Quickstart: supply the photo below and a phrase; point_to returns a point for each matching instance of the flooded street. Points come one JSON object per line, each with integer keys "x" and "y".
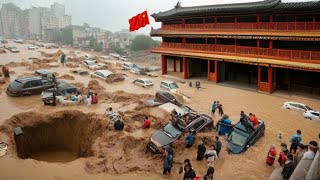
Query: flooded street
{"x": 61, "y": 164}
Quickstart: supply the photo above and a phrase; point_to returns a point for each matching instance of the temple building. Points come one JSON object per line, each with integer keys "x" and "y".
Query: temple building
{"x": 269, "y": 44}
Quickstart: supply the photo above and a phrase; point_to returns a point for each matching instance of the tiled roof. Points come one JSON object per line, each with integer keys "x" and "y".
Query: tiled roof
{"x": 251, "y": 7}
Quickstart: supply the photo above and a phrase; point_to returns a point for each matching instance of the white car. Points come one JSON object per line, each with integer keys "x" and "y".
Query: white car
{"x": 143, "y": 82}
{"x": 91, "y": 64}
{"x": 107, "y": 76}
{"x": 105, "y": 57}
{"x": 14, "y": 49}
{"x": 296, "y": 106}
{"x": 89, "y": 56}
{"x": 169, "y": 85}
{"x": 124, "y": 58}
{"x": 128, "y": 65}
{"x": 312, "y": 115}
{"x": 32, "y": 48}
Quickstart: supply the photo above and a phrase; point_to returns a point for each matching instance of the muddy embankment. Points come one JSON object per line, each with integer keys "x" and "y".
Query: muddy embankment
{"x": 86, "y": 135}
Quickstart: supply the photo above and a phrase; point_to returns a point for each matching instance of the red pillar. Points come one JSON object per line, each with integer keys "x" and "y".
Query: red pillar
{"x": 174, "y": 65}
{"x": 258, "y": 43}
{"x": 216, "y": 71}
{"x": 259, "y": 77}
{"x": 208, "y": 70}
{"x": 181, "y": 70}
{"x": 270, "y": 79}
{"x": 163, "y": 64}
{"x": 185, "y": 68}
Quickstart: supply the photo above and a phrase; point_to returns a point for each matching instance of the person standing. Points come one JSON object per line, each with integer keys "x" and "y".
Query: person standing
{"x": 283, "y": 154}
{"x": 313, "y": 148}
{"x": 214, "y": 107}
{"x": 167, "y": 163}
{"x": 201, "y": 150}
{"x": 94, "y": 99}
{"x": 146, "y": 123}
{"x": 62, "y": 59}
{"x": 209, "y": 175}
{"x": 4, "y": 71}
{"x": 220, "y": 110}
{"x": 271, "y": 155}
{"x": 218, "y": 145}
{"x": 298, "y": 135}
{"x": 211, "y": 156}
{"x": 189, "y": 173}
{"x": 299, "y": 154}
{"x": 288, "y": 167}
{"x": 190, "y": 139}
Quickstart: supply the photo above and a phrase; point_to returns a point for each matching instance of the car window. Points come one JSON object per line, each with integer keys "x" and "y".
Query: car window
{"x": 238, "y": 138}
{"x": 148, "y": 81}
{"x": 302, "y": 107}
{"x": 294, "y": 105}
{"x": 45, "y": 82}
{"x": 308, "y": 108}
{"x": 15, "y": 84}
{"x": 316, "y": 114}
{"x": 198, "y": 124}
{"x": 71, "y": 90}
{"x": 99, "y": 74}
{"x": 169, "y": 96}
{"x": 31, "y": 84}
{"x": 140, "y": 81}
{"x": 174, "y": 86}
{"x": 164, "y": 84}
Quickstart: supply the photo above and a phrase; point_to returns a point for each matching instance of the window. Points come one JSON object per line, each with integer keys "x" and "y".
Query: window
{"x": 316, "y": 114}
{"x": 99, "y": 74}
{"x": 46, "y": 82}
{"x": 31, "y": 84}
{"x": 15, "y": 84}
{"x": 302, "y": 107}
{"x": 264, "y": 74}
{"x": 164, "y": 84}
{"x": 198, "y": 125}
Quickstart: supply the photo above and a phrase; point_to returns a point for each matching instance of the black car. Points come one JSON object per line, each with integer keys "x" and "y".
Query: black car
{"x": 175, "y": 128}
{"x": 243, "y": 136}
{"x": 43, "y": 73}
{"x": 63, "y": 88}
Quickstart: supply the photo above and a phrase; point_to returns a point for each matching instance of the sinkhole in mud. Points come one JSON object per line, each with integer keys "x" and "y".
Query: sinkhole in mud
{"x": 57, "y": 139}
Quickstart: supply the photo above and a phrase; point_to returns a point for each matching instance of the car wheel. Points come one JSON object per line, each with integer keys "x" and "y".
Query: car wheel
{"x": 27, "y": 94}
{"x": 288, "y": 108}
{"x": 309, "y": 118}
{"x": 144, "y": 86}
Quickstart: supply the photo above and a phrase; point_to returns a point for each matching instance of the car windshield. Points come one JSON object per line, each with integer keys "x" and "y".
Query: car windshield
{"x": 308, "y": 108}
{"x": 170, "y": 130}
{"x": 15, "y": 84}
{"x": 173, "y": 86}
{"x": 238, "y": 138}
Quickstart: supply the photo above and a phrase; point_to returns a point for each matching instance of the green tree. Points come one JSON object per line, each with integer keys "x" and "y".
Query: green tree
{"x": 143, "y": 42}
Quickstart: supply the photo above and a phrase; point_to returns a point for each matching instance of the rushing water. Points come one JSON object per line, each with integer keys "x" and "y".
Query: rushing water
{"x": 248, "y": 165}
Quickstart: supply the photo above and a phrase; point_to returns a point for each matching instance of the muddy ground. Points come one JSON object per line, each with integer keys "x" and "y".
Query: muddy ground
{"x": 79, "y": 142}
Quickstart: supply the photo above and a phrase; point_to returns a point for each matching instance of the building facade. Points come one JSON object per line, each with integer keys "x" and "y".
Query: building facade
{"x": 11, "y": 16}
{"x": 269, "y": 44}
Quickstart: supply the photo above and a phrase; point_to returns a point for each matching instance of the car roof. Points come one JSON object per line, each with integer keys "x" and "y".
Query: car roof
{"x": 169, "y": 107}
{"x": 105, "y": 72}
{"x": 128, "y": 63}
{"x": 168, "y": 82}
{"x": 89, "y": 61}
{"x": 43, "y": 71}
{"x": 242, "y": 127}
{"x": 25, "y": 79}
{"x": 66, "y": 86}
{"x": 144, "y": 79}
{"x": 295, "y": 103}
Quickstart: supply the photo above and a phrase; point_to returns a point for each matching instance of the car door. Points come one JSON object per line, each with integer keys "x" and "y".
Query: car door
{"x": 164, "y": 85}
{"x": 302, "y": 108}
{"x": 100, "y": 75}
{"x": 46, "y": 84}
{"x": 295, "y": 106}
{"x": 140, "y": 82}
{"x": 198, "y": 125}
{"x": 33, "y": 87}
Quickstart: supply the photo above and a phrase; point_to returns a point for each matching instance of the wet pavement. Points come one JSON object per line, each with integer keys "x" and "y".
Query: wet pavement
{"x": 248, "y": 165}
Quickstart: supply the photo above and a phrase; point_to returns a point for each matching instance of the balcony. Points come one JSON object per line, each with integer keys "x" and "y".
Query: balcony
{"x": 282, "y": 26}
{"x": 292, "y": 55}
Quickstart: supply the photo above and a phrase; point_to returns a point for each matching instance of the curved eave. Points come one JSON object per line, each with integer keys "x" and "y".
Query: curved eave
{"x": 239, "y": 59}
{"x": 267, "y": 6}
{"x": 298, "y": 35}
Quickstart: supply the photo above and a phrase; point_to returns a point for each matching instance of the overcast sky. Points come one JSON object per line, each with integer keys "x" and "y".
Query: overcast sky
{"x": 114, "y": 14}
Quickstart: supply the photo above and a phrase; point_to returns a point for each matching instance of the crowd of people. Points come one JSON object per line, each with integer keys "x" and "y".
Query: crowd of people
{"x": 290, "y": 158}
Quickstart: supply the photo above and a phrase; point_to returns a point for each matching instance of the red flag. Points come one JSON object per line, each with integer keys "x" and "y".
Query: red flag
{"x": 139, "y": 21}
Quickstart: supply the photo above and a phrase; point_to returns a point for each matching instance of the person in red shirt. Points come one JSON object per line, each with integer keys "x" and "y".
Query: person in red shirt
{"x": 94, "y": 98}
{"x": 271, "y": 155}
{"x": 146, "y": 123}
{"x": 255, "y": 121}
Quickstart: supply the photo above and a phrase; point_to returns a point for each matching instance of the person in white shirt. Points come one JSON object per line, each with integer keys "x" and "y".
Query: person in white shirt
{"x": 313, "y": 148}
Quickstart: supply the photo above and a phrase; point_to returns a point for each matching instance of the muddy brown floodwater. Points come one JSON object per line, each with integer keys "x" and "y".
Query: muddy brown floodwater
{"x": 83, "y": 145}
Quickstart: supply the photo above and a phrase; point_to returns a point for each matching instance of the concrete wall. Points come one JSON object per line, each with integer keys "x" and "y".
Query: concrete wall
{"x": 314, "y": 171}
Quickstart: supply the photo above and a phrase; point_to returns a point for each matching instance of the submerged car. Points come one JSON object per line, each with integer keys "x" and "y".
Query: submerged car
{"x": 13, "y": 49}
{"x": 138, "y": 70}
{"x": 63, "y": 88}
{"x": 91, "y": 64}
{"x": 296, "y": 106}
{"x": 79, "y": 71}
{"x": 107, "y": 76}
{"x": 128, "y": 66}
{"x": 143, "y": 82}
{"x": 28, "y": 86}
{"x": 43, "y": 73}
{"x": 312, "y": 115}
{"x": 241, "y": 138}
{"x": 169, "y": 85}
{"x": 175, "y": 128}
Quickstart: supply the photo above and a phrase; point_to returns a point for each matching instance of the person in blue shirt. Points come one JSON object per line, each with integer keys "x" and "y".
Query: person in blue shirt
{"x": 298, "y": 136}
{"x": 167, "y": 163}
{"x": 190, "y": 139}
{"x": 214, "y": 107}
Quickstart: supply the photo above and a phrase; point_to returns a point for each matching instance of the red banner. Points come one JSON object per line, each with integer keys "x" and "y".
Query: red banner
{"x": 139, "y": 21}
